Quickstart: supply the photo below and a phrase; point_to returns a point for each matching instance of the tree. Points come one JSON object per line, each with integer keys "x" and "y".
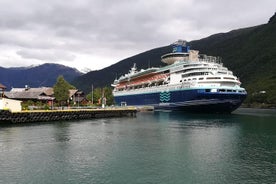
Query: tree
{"x": 61, "y": 90}
{"x": 98, "y": 94}
{"x": 108, "y": 95}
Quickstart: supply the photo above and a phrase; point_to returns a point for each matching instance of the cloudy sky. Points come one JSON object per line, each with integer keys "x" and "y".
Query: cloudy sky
{"x": 93, "y": 34}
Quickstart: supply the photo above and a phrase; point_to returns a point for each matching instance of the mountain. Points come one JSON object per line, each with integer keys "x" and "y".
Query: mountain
{"x": 36, "y": 76}
{"x": 106, "y": 76}
{"x": 249, "y": 52}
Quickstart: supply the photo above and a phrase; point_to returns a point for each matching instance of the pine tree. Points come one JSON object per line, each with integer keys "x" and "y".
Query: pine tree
{"x": 61, "y": 90}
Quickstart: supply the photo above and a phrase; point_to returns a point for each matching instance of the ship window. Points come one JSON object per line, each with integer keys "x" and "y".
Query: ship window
{"x": 221, "y": 90}
{"x": 213, "y": 78}
{"x": 207, "y": 90}
{"x": 230, "y": 78}
{"x": 200, "y": 78}
{"x": 194, "y": 78}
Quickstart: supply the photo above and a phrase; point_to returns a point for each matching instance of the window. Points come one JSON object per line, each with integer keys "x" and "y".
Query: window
{"x": 229, "y": 78}
{"x": 211, "y": 78}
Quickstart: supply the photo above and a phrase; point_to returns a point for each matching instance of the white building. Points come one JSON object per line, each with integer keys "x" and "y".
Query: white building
{"x": 9, "y": 104}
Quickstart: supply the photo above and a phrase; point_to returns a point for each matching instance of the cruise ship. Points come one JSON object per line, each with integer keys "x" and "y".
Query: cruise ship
{"x": 188, "y": 82}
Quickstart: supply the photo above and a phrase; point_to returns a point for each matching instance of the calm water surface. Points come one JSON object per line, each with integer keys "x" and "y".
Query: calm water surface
{"x": 154, "y": 147}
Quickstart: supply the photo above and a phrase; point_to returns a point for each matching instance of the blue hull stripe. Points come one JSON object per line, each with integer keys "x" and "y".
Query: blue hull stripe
{"x": 186, "y": 100}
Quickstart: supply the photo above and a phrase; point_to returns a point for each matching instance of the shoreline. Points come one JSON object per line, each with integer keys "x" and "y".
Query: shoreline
{"x": 64, "y": 115}
{"x": 259, "y": 106}
{"x": 251, "y": 110}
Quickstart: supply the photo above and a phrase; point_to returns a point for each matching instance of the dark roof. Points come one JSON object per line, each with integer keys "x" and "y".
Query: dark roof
{"x": 30, "y": 93}
{"x": 47, "y": 90}
{"x": 27, "y": 95}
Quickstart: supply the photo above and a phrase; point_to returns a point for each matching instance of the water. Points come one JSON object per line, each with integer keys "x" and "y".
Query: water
{"x": 154, "y": 147}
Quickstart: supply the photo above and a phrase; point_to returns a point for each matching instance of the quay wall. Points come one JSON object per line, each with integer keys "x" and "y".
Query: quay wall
{"x": 64, "y": 115}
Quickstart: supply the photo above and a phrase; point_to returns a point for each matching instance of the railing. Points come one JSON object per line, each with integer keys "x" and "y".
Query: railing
{"x": 152, "y": 89}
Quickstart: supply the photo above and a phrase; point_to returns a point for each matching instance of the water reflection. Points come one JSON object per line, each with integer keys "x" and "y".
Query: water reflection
{"x": 61, "y": 131}
{"x": 239, "y": 143}
{"x": 154, "y": 147}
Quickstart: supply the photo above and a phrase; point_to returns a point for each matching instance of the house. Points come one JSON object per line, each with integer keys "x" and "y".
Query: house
{"x": 2, "y": 89}
{"x": 77, "y": 97}
{"x": 8, "y": 104}
{"x": 42, "y": 94}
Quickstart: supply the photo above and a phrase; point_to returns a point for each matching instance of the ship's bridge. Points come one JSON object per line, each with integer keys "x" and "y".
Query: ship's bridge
{"x": 173, "y": 57}
{"x": 191, "y": 55}
{"x": 180, "y": 52}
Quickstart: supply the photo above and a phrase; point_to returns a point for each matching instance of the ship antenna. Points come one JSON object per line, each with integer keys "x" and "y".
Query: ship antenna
{"x": 133, "y": 69}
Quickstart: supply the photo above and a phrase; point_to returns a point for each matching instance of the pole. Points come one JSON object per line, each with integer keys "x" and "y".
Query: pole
{"x": 78, "y": 100}
{"x": 103, "y": 105}
{"x": 92, "y": 95}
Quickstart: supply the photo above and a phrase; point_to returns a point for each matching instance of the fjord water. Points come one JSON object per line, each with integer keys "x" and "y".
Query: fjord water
{"x": 154, "y": 147}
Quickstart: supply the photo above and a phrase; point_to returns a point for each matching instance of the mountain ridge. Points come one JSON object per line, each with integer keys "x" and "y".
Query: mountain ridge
{"x": 36, "y": 76}
{"x": 249, "y": 52}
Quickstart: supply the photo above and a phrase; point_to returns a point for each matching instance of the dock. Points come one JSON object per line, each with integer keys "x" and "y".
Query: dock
{"x": 64, "y": 115}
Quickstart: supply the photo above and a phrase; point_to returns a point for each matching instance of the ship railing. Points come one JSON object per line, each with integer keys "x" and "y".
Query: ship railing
{"x": 210, "y": 59}
{"x": 154, "y": 88}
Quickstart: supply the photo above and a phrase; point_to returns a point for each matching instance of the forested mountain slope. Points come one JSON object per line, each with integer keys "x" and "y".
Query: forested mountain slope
{"x": 36, "y": 76}
{"x": 249, "y": 52}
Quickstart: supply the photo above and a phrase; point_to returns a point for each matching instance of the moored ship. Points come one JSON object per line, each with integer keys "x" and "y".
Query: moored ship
{"x": 189, "y": 82}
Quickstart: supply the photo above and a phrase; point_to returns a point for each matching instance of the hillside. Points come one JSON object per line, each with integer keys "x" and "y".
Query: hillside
{"x": 42, "y": 75}
{"x": 249, "y": 52}
{"x": 106, "y": 76}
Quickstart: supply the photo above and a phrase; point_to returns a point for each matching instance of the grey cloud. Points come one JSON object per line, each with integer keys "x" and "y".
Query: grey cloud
{"x": 27, "y": 39}
{"x": 37, "y": 28}
{"x": 46, "y": 55}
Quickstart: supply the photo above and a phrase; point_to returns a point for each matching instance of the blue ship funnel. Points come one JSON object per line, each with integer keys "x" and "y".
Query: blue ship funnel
{"x": 180, "y": 46}
{"x": 177, "y": 48}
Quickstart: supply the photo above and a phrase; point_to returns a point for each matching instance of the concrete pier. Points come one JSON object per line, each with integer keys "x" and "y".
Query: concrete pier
{"x": 64, "y": 115}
